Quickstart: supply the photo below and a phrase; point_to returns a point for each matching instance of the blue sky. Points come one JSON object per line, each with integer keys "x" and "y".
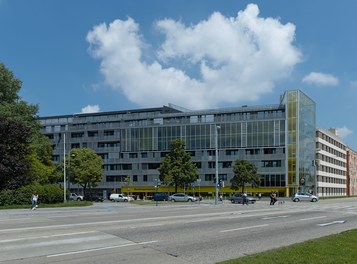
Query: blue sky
{"x": 91, "y": 55}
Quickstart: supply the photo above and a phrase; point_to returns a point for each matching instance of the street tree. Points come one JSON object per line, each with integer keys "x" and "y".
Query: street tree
{"x": 244, "y": 173}
{"x": 26, "y": 154}
{"x": 85, "y": 168}
{"x": 177, "y": 169}
{"x": 14, "y": 150}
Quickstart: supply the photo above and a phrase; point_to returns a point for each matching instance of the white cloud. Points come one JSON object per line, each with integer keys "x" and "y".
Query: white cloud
{"x": 90, "y": 109}
{"x": 239, "y": 58}
{"x": 320, "y": 79}
{"x": 344, "y": 132}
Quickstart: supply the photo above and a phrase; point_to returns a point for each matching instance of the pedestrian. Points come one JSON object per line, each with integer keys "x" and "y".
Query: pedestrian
{"x": 259, "y": 196}
{"x": 272, "y": 198}
{"x": 245, "y": 199}
{"x": 34, "y": 201}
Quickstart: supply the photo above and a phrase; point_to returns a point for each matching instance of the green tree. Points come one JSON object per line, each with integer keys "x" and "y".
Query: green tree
{"x": 244, "y": 173}
{"x": 14, "y": 149}
{"x": 177, "y": 169}
{"x": 32, "y": 151}
{"x": 86, "y": 168}
{"x": 11, "y": 104}
{"x": 42, "y": 168}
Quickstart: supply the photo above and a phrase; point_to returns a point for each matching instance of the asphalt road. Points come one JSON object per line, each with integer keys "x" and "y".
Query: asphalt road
{"x": 168, "y": 233}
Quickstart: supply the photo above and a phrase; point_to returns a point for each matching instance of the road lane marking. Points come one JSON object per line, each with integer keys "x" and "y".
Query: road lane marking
{"x": 102, "y": 248}
{"x": 49, "y": 236}
{"x": 274, "y": 217}
{"x": 333, "y": 223}
{"x": 15, "y": 219}
{"x": 242, "y": 228}
{"x": 112, "y": 222}
{"x": 312, "y": 218}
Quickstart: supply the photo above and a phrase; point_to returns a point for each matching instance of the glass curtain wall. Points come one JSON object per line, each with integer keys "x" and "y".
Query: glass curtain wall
{"x": 301, "y": 127}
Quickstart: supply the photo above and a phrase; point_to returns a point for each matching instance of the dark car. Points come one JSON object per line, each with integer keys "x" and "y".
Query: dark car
{"x": 238, "y": 198}
{"x": 93, "y": 198}
{"x": 160, "y": 197}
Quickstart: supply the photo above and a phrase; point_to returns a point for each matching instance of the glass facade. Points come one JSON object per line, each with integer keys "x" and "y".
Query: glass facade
{"x": 278, "y": 139}
{"x": 301, "y": 127}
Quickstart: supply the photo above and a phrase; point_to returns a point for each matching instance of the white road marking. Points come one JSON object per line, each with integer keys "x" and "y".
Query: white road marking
{"x": 274, "y": 217}
{"x": 333, "y": 223}
{"x": 14, "y": 219}
{"x": 103, "y": 248}
{"x": 242, "y": 228}
{"x": 49, "y": 236}
{"x": 312, "y": 218}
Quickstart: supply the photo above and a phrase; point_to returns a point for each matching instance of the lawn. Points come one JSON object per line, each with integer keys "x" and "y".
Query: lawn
{"x": 333, "y": 249}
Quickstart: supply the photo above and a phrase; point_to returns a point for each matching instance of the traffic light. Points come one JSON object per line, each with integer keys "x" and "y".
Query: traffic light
{"x": 220, "y": 183}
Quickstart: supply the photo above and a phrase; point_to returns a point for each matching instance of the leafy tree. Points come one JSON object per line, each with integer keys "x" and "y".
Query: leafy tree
{"x": 86, "y": 167}
{"x": 244, "y": 172}
{"x": 177, "y": 169}
{"x": 26, "y": 155}
{"x": 9, "y": 86}
{"x": 11, "y": 105}
{"x": 14, "y": 148}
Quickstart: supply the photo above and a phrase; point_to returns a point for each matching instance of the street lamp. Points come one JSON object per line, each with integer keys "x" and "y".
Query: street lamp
{"x": 216, "y": 183}
{"x": 64, "y": 168}
{"x": 69, "y": 169}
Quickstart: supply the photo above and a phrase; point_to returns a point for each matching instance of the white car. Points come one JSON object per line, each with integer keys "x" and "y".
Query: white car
{"x": 181, "y": 197}
{"x": 119, "y": 197}
{"x": 75, "y": 197}
{"x": 303, "y": 196}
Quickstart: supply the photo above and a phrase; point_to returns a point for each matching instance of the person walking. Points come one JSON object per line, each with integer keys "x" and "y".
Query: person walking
{"x": 34, "y": 201}
{"x": 272, "y": 198}
{"x": 245, "y": 199}
{"x": 259, "y": 196}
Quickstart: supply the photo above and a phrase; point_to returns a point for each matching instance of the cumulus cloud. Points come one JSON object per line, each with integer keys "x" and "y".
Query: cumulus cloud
{"x": 90, "y": 109}
{"x": 320, "y": 79}
{"x": 234, "y": 59}
{"x": 344, "y": 132}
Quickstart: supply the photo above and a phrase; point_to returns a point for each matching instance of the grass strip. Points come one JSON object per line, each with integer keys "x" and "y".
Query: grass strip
{"x": 333, "y": 249}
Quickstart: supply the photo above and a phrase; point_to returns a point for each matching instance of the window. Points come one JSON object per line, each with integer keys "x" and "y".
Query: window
{"x": 92, "y": 133}
{"x": 108, "y": 133}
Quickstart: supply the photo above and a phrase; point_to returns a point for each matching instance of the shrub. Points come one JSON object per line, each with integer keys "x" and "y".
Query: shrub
{"x": 48, "y": 193}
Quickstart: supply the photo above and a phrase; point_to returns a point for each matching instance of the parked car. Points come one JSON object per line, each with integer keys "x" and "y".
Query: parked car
{"x": 160, "y": 197}
{"x": 303, "y": 196}
{"x": 119, "y": 197}
{"x": 75, "y": 197}
{"x": 238, "y": 198}
{"x": 181, "y": 197}
{"x": 93, "y": 198}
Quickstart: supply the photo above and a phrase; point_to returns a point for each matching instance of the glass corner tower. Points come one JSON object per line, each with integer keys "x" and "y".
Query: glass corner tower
{"x": 300, "y": 142}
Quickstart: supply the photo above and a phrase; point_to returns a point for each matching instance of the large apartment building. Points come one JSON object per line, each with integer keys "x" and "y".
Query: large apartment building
{"x": 278, "y": 138}
{"x": 331, "y": 163}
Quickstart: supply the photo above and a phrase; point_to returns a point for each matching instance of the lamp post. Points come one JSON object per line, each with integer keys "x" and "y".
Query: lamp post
{"x": 216, "y": 183}
{"x": 69, "y": 169}
{"x": 64, "y": 168}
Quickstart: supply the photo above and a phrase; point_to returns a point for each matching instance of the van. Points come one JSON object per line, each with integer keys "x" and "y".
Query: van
{"x": 118, "y": 197}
